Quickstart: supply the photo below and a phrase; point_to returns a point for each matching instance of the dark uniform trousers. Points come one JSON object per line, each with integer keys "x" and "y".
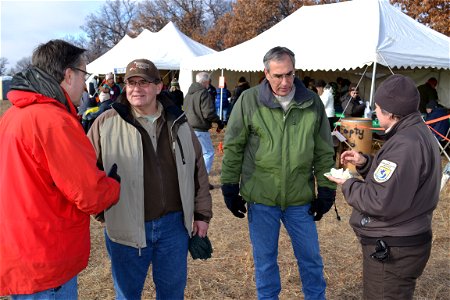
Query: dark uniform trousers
{"x": 396, "y": 277}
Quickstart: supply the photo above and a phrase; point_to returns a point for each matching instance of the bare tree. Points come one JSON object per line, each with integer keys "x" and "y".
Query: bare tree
{"x": 79, "y": 41}
{"x": 23, "y": 64}
{"x": 107, "y": 27}
{"x": 3, "y": 63}
{"x": 215, "y": 9}
{"x": 186, "y": 14}
{"x": 250, "y": 18}
{"x": 194, "y": 18}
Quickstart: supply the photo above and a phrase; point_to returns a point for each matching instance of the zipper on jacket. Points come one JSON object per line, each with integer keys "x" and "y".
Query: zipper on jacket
{"x": 283, "y": 167}
{"x": 181, "y": 151}
{"x": 178, "y": 140}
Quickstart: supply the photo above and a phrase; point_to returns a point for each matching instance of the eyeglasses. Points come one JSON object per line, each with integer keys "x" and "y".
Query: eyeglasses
{"x": 86, "y": 74}
{"x": 280, "y": 77}
{"x": 140, "y": 83}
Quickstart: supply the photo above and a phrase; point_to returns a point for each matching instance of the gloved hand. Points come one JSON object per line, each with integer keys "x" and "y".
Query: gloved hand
{"x": 322, "y": 204}
{"x": 200, "y": 247}
{"x": 220, "y": 126}
{"x": 113, "y": 173}
{"x": 233, "y": 200}
{"x": 100, "y": 217}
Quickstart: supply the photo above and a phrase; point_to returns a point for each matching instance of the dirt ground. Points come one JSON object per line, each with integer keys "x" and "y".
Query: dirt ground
{"x": 229, "y": 274}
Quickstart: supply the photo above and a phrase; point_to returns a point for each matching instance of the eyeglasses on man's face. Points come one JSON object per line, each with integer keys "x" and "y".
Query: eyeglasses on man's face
{"x": 140, "y": 83}
{"x": 86, "y": 74}
{"x": 280, "y": 77}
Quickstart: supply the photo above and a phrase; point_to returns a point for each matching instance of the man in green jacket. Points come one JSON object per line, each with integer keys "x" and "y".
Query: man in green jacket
{"x": 277, "y": 147}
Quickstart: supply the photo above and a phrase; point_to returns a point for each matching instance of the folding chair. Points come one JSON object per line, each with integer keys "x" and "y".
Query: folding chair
{"x": 446, "y": 144}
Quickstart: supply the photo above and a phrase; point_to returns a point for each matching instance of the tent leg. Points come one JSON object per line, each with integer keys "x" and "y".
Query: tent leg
{"x": 220, "y": 104}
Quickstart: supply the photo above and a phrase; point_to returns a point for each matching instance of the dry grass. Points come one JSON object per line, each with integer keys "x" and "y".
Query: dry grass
{"x": 229, "y": 273}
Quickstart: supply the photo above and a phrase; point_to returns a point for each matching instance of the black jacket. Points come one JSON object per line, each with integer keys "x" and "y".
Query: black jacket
{"x": 353, "y": 107}
{"x": 199, "y": 108}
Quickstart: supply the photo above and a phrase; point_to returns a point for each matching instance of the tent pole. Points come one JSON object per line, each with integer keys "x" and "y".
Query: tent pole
{"x": 220, "y": 103}
{"x": 372, "y": 86}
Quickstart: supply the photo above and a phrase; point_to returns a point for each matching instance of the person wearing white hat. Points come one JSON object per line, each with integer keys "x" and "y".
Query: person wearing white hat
{"x": 111, "y": 87}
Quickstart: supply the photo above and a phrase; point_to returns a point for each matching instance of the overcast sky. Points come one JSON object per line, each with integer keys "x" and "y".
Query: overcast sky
{"x": 26, "y": 24}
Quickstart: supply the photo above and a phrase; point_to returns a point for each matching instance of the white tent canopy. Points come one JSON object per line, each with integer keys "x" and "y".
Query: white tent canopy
{"x": 338, "y": 36}
{"x": 165, "y": 48}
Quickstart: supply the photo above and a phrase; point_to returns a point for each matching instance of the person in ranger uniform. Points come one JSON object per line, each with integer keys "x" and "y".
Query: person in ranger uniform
{"x": 393, "y": 205}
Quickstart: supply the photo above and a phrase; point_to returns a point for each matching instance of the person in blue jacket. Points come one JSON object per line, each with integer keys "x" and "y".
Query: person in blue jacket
{"x": 224, "y": 94}
{"x": 439, "y": 128}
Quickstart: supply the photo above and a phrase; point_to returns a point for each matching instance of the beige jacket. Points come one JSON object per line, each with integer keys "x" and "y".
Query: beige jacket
{"x": 117, "y": 140}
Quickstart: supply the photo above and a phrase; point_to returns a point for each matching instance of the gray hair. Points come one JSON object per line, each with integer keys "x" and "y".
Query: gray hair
{"x": 392, "y": 116}
{"x": 278, "y": 54}
{"x": 202, "y": 77}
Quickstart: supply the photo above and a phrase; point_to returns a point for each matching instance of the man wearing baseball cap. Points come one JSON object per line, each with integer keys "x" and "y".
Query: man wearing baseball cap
{"x": 393, "y": 206}
{"x": 164, "y": 191}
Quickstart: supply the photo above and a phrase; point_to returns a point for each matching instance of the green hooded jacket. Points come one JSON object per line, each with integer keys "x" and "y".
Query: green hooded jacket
{"x": 276, "y": 156}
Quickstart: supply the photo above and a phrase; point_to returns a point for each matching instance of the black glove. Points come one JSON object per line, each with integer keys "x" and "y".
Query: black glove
{"x": 100, "y": 217}
{"x": 113, "y": 173}
{"x": 200, "y": 247}
{"x": 233, "y": 200}
{"x": 322, "y": 204}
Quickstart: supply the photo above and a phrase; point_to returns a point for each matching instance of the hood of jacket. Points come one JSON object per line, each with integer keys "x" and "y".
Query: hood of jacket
{"x": 37, "y": 81}
{"x": 195, "y": 87}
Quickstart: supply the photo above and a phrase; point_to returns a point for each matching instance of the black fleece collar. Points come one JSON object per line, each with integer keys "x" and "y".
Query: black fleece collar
{"x": 37, "y": 81}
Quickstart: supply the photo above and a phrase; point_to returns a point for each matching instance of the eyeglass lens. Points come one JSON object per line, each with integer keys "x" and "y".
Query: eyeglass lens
{"x": 280, "y": 77}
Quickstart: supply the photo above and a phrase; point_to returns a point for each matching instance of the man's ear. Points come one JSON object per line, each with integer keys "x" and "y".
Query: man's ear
{"x": 159, "y": 88}
{"x": 68, "y": 76}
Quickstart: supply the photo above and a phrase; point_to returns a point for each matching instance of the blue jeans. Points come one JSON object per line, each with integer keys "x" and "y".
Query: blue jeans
{"x": 207, "y": 147}
{"x": 67, "y": 291}
{"x": 264, "y": 225}
{"x": 167, "y": 248}
{"x": 224, "y": 113}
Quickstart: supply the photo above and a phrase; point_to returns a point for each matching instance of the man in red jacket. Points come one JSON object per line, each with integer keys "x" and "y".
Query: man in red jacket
{"x": 49, "y": 180}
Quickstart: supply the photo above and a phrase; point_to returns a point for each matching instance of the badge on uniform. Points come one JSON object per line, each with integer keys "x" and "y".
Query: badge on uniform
{"x": 384, "y": 171}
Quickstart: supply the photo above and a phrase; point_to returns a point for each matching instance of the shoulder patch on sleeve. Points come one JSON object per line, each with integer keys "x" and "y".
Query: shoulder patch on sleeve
{"x": 384, "y": 171}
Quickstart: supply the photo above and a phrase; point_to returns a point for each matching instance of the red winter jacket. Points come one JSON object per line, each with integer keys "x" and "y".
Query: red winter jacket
{"x": 49, "y": 185}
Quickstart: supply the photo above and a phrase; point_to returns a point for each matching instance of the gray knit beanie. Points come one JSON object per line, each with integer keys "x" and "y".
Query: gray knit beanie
{"x": 398, "y": 95}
